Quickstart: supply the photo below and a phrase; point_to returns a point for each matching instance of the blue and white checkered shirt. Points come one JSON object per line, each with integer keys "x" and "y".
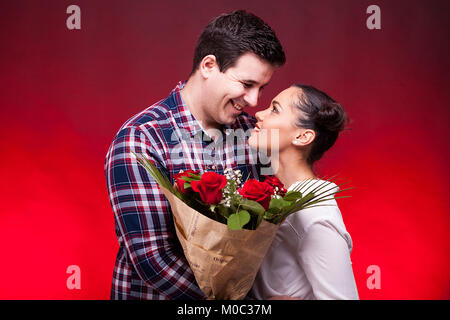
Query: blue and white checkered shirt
{"x": 150, "y": 263}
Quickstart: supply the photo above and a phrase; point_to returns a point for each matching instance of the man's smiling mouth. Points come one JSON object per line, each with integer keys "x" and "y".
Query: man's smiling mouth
{"x": 237, "y": 106}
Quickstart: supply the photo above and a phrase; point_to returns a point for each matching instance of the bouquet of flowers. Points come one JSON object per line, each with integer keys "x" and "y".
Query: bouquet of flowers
{"x": 226, "y": 226}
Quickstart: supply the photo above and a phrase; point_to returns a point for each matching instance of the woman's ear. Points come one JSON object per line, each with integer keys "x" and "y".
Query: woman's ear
{"x": 304, "y": 137}
{"x": 207, "y": 66}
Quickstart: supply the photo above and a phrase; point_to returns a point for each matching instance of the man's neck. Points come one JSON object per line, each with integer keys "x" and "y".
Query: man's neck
{"x": 192, "y": 98}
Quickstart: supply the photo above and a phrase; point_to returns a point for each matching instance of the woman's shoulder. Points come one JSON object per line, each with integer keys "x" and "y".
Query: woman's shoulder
{"x": 324, "y": 191}
{"x": 326, "y": 213}
{"x": 316, "y": 186}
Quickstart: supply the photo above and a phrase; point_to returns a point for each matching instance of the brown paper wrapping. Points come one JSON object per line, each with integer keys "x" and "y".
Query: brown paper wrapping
{"x": 224, "y": 261}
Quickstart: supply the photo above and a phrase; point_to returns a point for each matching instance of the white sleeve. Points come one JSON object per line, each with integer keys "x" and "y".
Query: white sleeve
{"x": 325, "y": 258}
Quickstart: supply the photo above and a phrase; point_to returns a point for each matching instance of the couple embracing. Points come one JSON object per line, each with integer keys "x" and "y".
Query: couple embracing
{"x": 234, "y": 59}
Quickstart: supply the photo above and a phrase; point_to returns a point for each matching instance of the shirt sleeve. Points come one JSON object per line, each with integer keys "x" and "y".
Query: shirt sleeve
{"x": 325, "y": 258}
{"x": 143, "y": 218}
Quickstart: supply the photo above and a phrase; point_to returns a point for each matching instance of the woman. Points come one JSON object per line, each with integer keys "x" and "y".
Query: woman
{"x": 310, "y": 255}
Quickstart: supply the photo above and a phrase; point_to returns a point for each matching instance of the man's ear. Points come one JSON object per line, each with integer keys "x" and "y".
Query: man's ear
{"x": 304, "y": 137}
{"x": 207, "y": 66}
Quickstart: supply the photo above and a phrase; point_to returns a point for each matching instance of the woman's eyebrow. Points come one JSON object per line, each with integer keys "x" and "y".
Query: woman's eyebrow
{"x": 277, "y": 103}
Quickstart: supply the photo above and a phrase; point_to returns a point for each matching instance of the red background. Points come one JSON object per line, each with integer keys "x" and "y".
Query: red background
{"x": 64, "y": 94}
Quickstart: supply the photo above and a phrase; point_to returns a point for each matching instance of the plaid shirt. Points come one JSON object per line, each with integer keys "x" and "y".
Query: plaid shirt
{"x": 150, "y": 263}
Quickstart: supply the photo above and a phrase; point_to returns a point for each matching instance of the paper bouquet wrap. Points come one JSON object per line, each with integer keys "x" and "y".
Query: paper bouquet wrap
{"x": 225, "y": 262}
{"x": 225, "y": 229}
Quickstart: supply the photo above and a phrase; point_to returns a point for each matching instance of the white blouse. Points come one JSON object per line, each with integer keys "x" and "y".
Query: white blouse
{"x": 310, "y": 256}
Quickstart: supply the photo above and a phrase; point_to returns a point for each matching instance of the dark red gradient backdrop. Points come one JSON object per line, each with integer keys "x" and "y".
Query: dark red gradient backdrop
{"x": 64, "y": 94}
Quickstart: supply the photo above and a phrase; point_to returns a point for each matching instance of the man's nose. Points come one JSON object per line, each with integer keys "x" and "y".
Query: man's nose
{"x": 251, "y": 98}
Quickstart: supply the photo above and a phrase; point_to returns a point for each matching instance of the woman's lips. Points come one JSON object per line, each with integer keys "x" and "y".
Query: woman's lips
{"x": 257, "y": 127}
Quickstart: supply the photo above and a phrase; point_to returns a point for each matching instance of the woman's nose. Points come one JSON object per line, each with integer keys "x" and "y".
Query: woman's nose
{"x": 259, "y": 115}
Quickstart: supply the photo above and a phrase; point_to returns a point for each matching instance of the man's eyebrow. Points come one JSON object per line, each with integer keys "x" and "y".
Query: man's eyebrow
{"x": 250, "y": 81}
{"x": 254, "y": 82}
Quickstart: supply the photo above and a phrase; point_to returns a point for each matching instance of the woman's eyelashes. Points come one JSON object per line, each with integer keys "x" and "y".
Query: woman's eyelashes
{"x": 274, "y": 109}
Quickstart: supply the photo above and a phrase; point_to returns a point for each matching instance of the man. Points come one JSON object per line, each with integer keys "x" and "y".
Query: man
{"x": 234, "y": 59}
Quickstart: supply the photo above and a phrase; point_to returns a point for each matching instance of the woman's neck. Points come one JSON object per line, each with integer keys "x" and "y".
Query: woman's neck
{"x": 291, "y": 168}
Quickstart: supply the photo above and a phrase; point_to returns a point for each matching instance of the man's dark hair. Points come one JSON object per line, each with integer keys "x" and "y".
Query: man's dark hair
{"x": 230, "y": 35}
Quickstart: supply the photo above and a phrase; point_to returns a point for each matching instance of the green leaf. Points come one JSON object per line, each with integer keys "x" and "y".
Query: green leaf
{"x": 237, "y": 220}
{"x": 308, "y": 197}
{"x": 193, "y": 175}
{"x": 299, "y": 204}
{"x": 187, "y": 185}
{"x": 321, "y": 192}
{"x": 188, "y": 179}
{"x": 277, "y": 205}
{"x": 292, "y": 196}
{"x": 270, "y": 213}
{"x": 252, "y": 206}
{"x": 224, "y": 211}
{"x": 160, "y": 178}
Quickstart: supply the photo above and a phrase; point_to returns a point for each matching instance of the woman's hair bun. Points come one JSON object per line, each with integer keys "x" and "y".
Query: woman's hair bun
{"x": 322, "y": 114}
{"x": 331, "y": 116}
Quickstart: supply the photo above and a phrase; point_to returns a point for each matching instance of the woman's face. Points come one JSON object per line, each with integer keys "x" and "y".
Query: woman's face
{"x": 275, "y": 129}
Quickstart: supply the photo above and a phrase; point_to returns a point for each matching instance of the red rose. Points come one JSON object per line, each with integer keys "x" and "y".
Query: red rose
{"x": 180, "y": 182}
{"x": 257, "y": 191}
{"x": 210, "y": 187}
{"x": 275, "y": 182}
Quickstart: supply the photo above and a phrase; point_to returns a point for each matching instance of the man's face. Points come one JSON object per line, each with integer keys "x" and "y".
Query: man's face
{"x": 229, "y": 92}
